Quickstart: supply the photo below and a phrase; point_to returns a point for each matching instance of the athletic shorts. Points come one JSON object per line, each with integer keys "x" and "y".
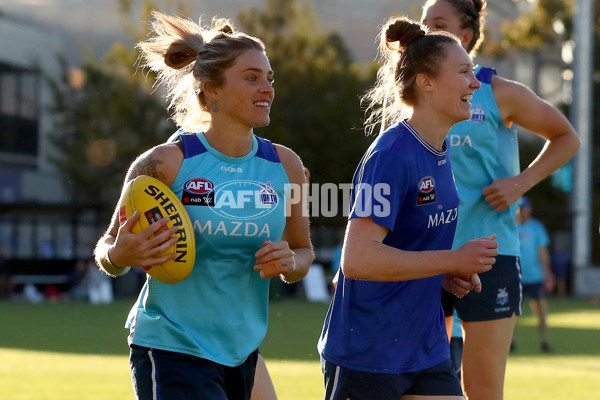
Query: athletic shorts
{"x": 343, "y": 383}
{"x": 158, "y": 374}
{"x": 500, "y": 295}
{"x": 448, "y": 303}
{"x": 456, "y": 352}
{"x": 534, "y": 290}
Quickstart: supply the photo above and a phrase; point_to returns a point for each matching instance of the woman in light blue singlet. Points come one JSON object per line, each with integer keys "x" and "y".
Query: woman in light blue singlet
{"x": 485, "y": 159}
{"x": 198, "y": 339}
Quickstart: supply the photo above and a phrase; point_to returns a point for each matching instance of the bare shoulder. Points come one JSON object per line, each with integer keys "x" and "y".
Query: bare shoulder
{"x": 291, "y": 163}
{"x": 287, "y": 155}
{"x": 518, "y": 103}
{"x": 161, "y": 162}
{"x": 508, "y": 89}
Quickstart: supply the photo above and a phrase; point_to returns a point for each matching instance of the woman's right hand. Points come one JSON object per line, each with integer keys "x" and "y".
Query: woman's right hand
{"x": 477, "y": 255}
{"x": 144, "y": 248}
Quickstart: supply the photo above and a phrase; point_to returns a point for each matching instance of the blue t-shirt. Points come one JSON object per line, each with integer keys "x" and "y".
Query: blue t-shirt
{"x": 532, "y": 236}
{"x": 407, "y": 186}
{"x": 220, "y": 312}
{"x": 483, "y": 149}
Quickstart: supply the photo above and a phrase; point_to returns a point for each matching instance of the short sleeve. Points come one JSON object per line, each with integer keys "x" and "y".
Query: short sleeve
{"x": 379, "y": 188}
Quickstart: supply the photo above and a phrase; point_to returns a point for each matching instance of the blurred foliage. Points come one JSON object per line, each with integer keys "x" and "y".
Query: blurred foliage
{"x": 103, "y": 124}
{"x": 547, "y": 22}
{"x": 103, "y": 120}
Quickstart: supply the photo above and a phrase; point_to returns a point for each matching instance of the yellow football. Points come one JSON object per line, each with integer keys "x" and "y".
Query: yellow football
{"x": 154, "y": 200}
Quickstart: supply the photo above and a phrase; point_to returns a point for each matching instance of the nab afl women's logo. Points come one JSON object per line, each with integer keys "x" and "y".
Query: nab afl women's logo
{"x": 198, "y": 192}
{"x": 426, "y": 193}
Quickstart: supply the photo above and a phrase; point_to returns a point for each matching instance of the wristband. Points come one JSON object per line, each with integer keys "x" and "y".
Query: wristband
{"x": 111, "y": 268}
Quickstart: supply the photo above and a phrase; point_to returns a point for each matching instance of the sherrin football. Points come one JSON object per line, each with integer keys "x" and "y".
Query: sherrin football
{"x": 154, "y": 200}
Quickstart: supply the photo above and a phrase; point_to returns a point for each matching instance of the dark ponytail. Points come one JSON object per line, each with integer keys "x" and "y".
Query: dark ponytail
{"x": 404, "y": 31}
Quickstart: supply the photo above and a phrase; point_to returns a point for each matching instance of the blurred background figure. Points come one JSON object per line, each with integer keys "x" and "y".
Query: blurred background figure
{"x": 536, "y": 275}
{"x": 99, "y": 285}
{"x": 78, "y": 280}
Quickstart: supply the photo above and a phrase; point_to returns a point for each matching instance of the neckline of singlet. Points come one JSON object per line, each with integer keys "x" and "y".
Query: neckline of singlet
{"x": 427, "y": 146}
{"x": 223, "y": 157}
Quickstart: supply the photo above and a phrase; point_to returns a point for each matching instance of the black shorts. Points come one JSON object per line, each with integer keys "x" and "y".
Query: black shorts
{"x": 342, "y": 383}
{"x": 534, "y": 290}
{"x": 500, "y": 295}
{"x": 159, "y": 374}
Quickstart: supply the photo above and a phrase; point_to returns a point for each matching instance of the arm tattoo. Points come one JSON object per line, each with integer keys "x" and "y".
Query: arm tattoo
{"x": 146, "y": 165}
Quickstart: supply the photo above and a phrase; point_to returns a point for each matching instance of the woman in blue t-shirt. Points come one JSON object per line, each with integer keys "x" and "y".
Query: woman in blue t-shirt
{"x": 384, "y": 335}
{"x": 485, "y": 158}
{"x": 199, "y": 338}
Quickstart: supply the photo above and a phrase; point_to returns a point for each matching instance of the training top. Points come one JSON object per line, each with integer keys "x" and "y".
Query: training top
{"x": 483, "y": 149}
{"x": 532, "y": 236}
{"x": 406, "y": 186}
{"x": 220, "y": 311}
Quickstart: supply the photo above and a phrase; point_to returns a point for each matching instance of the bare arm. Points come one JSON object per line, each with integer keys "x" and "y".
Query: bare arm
{"x": 519, "y": 104}
{"x": 364, "y": 256}
{"x": 292, "y": 256}
{"x": 119, "y": 247}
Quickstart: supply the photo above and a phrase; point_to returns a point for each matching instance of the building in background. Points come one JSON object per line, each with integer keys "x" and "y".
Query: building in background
{"x": 41, "y": 231}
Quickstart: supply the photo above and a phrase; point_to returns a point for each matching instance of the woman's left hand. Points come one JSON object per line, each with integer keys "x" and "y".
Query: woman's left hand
{"x": 503, "y": 192}
{"x": 274, "y": 258}
{"x": 461, "y": 285}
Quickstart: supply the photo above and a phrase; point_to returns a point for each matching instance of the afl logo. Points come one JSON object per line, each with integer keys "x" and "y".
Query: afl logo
{"x": 427, "y": 185}
{"x": 198, "y": 192}
{"x": 199, "y": 186}
{"x": 243, "y": 200}
{"x": 426, "y": 193}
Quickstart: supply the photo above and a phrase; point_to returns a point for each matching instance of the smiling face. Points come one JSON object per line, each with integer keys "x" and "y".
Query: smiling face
{"x": 442, "y": 16}
{"x": 453, "y": 87}
{"x": 247, "y": 93}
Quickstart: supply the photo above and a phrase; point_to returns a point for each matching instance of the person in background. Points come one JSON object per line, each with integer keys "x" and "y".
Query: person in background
{"x": 384, "y": 335}
{"x": 485, "y": 160}
{"x": 536, "y": 275}
{"x": 199, "y": 338}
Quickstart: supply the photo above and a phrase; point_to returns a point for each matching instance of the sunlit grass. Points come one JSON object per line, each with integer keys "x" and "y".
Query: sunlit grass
{"x": 35, "y": 375}
{"x": 75, "y": 351}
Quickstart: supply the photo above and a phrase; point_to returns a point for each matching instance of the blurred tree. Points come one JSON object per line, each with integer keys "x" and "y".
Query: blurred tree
{"x": 106, "y": 115}
{"x": 101, "y": 127}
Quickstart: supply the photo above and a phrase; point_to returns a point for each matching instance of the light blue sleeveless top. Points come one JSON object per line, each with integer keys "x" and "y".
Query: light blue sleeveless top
{"x": 220, "y": 312}
{"x": 482, "y": 150}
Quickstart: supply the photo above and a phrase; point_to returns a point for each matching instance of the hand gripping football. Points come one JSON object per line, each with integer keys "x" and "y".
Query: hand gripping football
{"x": 154, "y": 200}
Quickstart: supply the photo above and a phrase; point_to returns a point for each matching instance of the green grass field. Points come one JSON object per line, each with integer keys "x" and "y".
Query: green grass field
{"x": 77, "y": 351}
